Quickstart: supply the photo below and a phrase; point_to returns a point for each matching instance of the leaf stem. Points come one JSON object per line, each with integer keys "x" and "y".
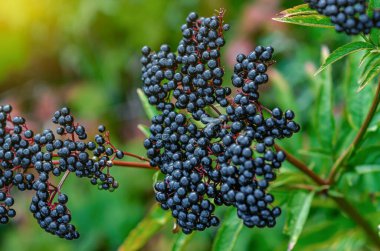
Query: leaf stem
{"x": 215, "y": 109}
{"x": 136, "y": 156}
{"x": 134, "y": 164}
{"x": 355, "y": 215}
{"x": 341, "y": 202}
{"x": 352, "y": 147}
{"x": 64, "y": 177}
{"x": 302, "y": 167}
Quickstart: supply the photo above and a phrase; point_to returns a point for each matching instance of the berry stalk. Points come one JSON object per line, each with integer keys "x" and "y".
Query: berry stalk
{"x": 134, "y": 165}
{"x": 302, "y": 167}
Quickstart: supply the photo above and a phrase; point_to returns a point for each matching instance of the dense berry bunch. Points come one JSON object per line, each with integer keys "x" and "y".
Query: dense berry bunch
{"x": 28, "y": 161}
{"x": 214, "y": 148}
{"x": 90, "y": 159}
{"x": 349, "y": 16}
{"x": 16, "y": 153}
{"x": 194, "y": 75}
{"x": 181, "y": 151}
{"x": 53, "y": 217}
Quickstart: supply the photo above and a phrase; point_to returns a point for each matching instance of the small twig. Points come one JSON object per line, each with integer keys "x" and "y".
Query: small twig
{"x": 134, "y": 164}
{"x": 215, "y": 109}
{"x": 302, "y": 167}
{"x": 136, "y": 156}
{"x": 64, "y": 177}
{"x": 264, "y": 107}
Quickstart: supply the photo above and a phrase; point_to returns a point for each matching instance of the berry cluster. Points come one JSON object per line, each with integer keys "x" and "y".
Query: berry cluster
{"x": 349, "y": 16}
{"x": 28, "y": 161}
{"x": 195, "y": 75}
{"x": 16, "y": 153}
{"x": 214, "y": 147}
{"x": 54, "y": 218}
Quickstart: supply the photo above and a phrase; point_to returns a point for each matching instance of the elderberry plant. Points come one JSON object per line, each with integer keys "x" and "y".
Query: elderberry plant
{"x": 214, "y": 142}
{"x": 215, "y": 145}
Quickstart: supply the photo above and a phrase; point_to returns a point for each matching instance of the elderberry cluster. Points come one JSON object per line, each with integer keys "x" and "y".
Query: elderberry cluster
{"x": 54, "y": 218}
{"x": 349, "y": 16}
{"x": 15, "y": 157}
{"x": 194, "y": 75}
{"x": 213, "y": 147}
{"x": 28, "y": 161}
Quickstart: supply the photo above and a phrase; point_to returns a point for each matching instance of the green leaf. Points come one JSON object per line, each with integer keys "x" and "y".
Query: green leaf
{"x": 367, "y": 169}
{"x": 370, "y": 71}
{"x": 298, "y": 208}
{"x": 229, "y": 231}
{"x": 356, "y": 104}
{"x": 321, "y": 153}
{"x": 150, "y": 110}
{"x": 142, "y": 233}
{"x": 182, "y": 241}
{"x": 325, "y": 123}
{"x": 303, "y": 15}
{"x": 282, "y": 87}
{"x": 374, "y": 72}
{"x": 369, "y": 62}
{"x": 302, "y": 8}
{"x": 155, "y": 177}
{"x": 364, "y": 58}
{"x": 343, "y": 51}
{"x": 144, "y": 129}
{"x": 375, "y": 33}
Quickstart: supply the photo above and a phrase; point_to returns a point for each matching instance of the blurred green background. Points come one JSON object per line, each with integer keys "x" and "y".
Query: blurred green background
{"x": 85, "y": 54}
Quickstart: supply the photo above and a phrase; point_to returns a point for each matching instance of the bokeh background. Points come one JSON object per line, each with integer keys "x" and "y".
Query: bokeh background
{"x": 85, "y": 54}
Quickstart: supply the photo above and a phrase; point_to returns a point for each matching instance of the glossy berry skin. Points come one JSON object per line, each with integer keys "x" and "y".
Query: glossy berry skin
{"x": 28, "y": 160}
{"x": 228, "y": 156}
{"x": 348, "y": 16}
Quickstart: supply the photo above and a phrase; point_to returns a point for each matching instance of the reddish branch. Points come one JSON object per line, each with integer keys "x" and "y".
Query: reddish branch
{"x": 134, "y": 164}
{"x": 302, "y": 167}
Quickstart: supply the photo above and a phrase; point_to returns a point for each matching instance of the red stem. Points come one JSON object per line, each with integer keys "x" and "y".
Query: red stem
{"x": 136, "y": 156}
{"x": 134, "y": 164}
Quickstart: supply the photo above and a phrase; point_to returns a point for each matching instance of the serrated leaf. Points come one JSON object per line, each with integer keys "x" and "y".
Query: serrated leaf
{"x": 298, "y": 208}
{"x": 303, "y": 15}
{"x": 150, "y": 110}
{"x": 370, "y": 71}
{"x": 374, "y": 72}
{"x": 369, "y": 62}
{"x": 144, "y": 129}
{"x": 141, "y": 234}
{"x": 363, "y": 59}
{"x": 343, "y": 51}
{"x": 325, "y": 123}
{"x": 228, "y": 232}
{"x": 181, "y": 241}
